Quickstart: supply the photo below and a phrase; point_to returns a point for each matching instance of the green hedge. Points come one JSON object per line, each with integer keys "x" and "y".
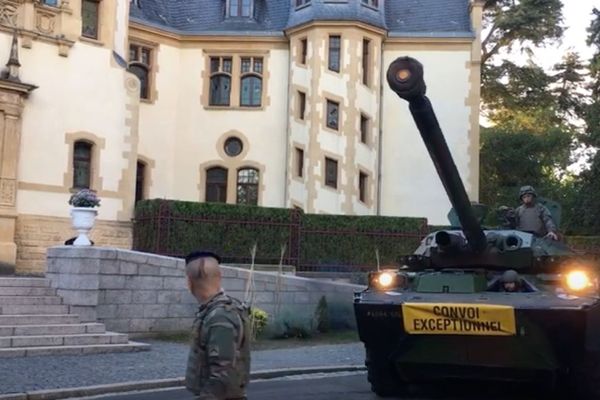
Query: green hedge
{"x": 340, "y": 239}
{"x": 178, "y": 227}
{"x": 589, "y": 244}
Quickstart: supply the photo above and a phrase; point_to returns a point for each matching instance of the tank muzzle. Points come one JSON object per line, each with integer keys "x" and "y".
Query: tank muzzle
{"x": 405, "y": 77}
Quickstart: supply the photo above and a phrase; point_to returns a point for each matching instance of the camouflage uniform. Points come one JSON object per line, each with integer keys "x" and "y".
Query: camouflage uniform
{"x": 219, "y": 360}
{"x": 536, "y": 219}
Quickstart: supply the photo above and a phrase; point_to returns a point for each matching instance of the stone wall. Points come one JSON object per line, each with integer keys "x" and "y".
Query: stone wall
{"x": 36, "y": 233}
{"x": 142, "y": 293}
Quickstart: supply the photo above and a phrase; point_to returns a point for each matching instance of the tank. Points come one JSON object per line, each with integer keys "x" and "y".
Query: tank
{"x": 474, "y": 303}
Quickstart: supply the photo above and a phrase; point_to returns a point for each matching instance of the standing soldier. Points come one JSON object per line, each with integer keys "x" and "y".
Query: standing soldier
{"x": 534, "y": 217}
{"x": 219, "y": 360}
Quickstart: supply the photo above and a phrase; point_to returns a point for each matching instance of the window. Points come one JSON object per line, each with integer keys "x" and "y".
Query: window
{"x": 365, "y": 62}
{"x": 220, "y": 81}
{"x": 300, "y": 3}
{"x": 334, "y": 53}
{"x": 90, "y": 14}
{"x": 216, "y": 185}
{"x": 233, "y": 146}
{"x": 140, "y": 64}
{"x": 303, "y": 50}
{"x": 332, "y": 114}
{"x": 299, "y": 162}
{"x": 364, "y": 129}
{"x": 331, "y": 172}
{"x": 53, "y": 3}
{"x": 140, "y": 175}
{"x": 371, "y": 3}
{"x": 363, "y": 180}
{"x": 240, "y": 8}
{"x": 247, "y": 186}
{"x": 82, "y": 165}
{"x": 301, "y": 105}
{"x": 251, "y": 81}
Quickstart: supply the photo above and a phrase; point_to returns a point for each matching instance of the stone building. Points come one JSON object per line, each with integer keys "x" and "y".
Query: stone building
{"x": 280, "y": 103}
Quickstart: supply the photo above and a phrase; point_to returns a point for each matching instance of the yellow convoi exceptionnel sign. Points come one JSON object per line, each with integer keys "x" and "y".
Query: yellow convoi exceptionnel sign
{"x": 458, "y": 319}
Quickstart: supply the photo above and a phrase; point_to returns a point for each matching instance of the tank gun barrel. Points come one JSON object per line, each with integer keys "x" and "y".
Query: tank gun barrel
{"x": 405, "y": 78}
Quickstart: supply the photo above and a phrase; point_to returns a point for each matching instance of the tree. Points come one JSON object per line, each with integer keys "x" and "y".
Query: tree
{"x": 510, "y": 22}
{"x": 511, "y": 159}
{"x": 585, "y": 207}
{"x": 506, "y": 24}
{"x": 568, "y": 88}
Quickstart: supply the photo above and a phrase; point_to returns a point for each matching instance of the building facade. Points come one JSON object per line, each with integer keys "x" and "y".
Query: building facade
{"x": 274, "y": 103}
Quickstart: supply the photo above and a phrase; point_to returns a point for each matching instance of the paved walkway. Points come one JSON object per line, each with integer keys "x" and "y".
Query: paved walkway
{"x": 164, "y": 361}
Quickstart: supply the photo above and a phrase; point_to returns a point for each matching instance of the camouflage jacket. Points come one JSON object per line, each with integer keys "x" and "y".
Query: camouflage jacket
{"x": 219, "y": 360}
{"x": 536, "y": 219}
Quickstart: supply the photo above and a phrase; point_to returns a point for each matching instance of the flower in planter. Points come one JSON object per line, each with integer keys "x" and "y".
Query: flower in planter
{"x": 85, "y": 198}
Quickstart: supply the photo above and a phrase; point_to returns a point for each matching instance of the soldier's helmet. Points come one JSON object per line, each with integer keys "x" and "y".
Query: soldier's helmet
{"x": 510, "y": 276}
{"x": 527, "y": 190}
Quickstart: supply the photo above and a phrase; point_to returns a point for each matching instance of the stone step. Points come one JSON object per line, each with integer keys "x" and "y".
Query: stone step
{"x": 72, "y": 350}
{"x": 63, "y": 340}
{"x": 30, "y": 300}
{"x": 26, "y": 282}
{"x": 32, "y": 319}
{"x": 26, "y": 291}
{"x": 63, "y": 329}
{"x": 30, "y": 309}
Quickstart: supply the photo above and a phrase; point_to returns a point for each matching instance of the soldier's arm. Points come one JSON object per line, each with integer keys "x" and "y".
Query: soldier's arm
{"x": 548, "y": 221}
{"x": 221, "y": 350}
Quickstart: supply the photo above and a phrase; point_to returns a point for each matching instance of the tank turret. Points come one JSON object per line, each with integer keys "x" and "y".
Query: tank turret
{"x": 405, "y": 77}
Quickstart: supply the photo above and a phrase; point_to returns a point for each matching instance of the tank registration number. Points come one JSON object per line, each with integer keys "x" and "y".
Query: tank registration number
{"x": 458, "y": 319}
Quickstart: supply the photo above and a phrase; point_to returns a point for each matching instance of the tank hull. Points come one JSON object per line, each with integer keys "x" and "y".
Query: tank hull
{"x": 548, "y": 342}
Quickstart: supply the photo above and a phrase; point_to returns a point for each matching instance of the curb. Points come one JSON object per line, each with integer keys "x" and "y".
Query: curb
{"x": 56, "y": 394}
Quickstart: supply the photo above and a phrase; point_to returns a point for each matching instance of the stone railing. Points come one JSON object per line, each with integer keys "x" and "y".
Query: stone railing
{"x": 142, "y": 293}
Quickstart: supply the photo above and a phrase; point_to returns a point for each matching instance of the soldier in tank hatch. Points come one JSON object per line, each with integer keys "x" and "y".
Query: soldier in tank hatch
{"x": 534, "y": 217}
{"x": 219, "y": 360}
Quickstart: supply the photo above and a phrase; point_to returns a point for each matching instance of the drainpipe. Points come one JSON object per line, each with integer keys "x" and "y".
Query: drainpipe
{"x": 380, "y": 142}
{"x": 286, "y": 190}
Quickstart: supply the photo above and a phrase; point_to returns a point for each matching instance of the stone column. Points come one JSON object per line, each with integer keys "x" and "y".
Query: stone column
{"x": 12, "y": 95}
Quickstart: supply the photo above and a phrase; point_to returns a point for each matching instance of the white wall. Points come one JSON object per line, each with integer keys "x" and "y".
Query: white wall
{"x": 410, "y": 184}
{"x": 84, "y": 92}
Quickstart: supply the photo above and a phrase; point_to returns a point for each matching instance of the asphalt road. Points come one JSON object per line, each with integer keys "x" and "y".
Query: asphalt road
{"x": 339, "y": 386}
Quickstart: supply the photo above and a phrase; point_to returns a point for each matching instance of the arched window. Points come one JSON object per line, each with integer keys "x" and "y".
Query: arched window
{"x": 247, "y": 186}
{"x": 82, "y": 165}
{"x": 220, "y": 87}
{"x": 142, "y": 72}
{"x": 251, "y": 82}
{"x": 140, "y": 181}
{"x": 216, "y": 185}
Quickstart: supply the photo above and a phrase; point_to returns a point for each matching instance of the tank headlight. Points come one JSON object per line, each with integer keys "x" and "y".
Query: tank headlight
{"x": 386, "y": 279}
{"x": 578, "y": 280}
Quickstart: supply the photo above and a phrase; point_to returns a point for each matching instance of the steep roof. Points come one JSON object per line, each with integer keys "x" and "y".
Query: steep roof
{"x": 273, "y": 17}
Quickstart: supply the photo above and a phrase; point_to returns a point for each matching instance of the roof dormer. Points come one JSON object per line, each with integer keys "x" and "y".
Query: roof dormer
{"x": 240, "y": 9}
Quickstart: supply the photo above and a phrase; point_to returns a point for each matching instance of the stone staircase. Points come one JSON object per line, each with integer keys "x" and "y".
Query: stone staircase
{"x": 35, "y": 322}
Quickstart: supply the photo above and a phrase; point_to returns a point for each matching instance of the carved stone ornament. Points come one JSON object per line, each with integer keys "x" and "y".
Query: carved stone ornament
{"x": 9, "y": 12}
{"x": 45, "y": 22}
{"x": 7, "y": 191}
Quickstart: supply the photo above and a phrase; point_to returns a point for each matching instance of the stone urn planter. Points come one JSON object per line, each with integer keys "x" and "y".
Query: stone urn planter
{"x": 82, "y": 219}
{"x": 83, "y": 215}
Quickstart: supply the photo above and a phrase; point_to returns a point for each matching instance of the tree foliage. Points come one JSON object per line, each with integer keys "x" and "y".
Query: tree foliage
{"x": 585, "y": 206}
{"x": 511, "y": 159}
{"x": 511, "y": 23}
{"x": 536, "y": 114}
